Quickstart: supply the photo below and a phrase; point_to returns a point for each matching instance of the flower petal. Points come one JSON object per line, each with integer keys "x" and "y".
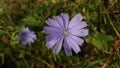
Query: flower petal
{"x": 26, "y": 29}
{"x": 73, "y": 45}
{"x": 32, "y": 36}
{"x": 26, "y": 36}
{"x": 65, "y": 19}
{"x": 81, "y": 32}
{"x": 58, "y": 46}
{"x": 79, "y": 26}
{"x": 51, "y": 43}
{"x": 52, "y": 36}
{"x": 67, "y": 48}
{"x": 75, "y": 20}
{"x": 60, "y": 21}
{"x": 50, "y": 30}
{"x": 24, "y": 42}
{"x": 30, "y": 41}
{"x": 78, "y": 40}
{"x": 53, "y": 23}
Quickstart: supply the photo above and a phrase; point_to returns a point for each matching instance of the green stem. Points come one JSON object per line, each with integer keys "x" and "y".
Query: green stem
{"x": 30, "y": 47}
{"x": 27, "y": 66}
{"x": 111, "y": 23}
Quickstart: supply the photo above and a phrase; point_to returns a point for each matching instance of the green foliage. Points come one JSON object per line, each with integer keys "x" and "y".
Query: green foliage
{"x": 31, "y": 21}
{"x": 102, "y": 41}
{"x": 101, "y": 48}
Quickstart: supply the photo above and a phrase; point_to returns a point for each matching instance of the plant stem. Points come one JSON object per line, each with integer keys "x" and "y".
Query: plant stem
{"x": 111, "y": 23}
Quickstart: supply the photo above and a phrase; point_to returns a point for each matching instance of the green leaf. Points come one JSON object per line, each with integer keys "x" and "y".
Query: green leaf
{"x": 75, "y": 59}
{"x": 102, "y": 41}
{"x": 21, "y": 55}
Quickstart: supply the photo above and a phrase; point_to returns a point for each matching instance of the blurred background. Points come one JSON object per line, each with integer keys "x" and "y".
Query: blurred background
{"x": 101, "y": 48}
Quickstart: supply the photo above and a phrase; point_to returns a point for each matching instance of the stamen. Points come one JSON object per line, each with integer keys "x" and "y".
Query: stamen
{"x": 65, "y": 33}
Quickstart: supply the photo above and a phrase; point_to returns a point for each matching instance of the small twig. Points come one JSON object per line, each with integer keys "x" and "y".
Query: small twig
{"x": 106, "y": 63}
{"x": 104, "y": 66}
{"x": 110, "y": 53}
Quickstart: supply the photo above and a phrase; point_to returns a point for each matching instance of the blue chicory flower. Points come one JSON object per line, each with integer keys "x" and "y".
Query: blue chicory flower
{"x": 27, "y": 36}
{"x": 61, "y": 30}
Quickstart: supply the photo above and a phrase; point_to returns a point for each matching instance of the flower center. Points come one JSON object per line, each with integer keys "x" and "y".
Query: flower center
{"x": 65, "y": 33}
{"x": 24, "y": 36}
